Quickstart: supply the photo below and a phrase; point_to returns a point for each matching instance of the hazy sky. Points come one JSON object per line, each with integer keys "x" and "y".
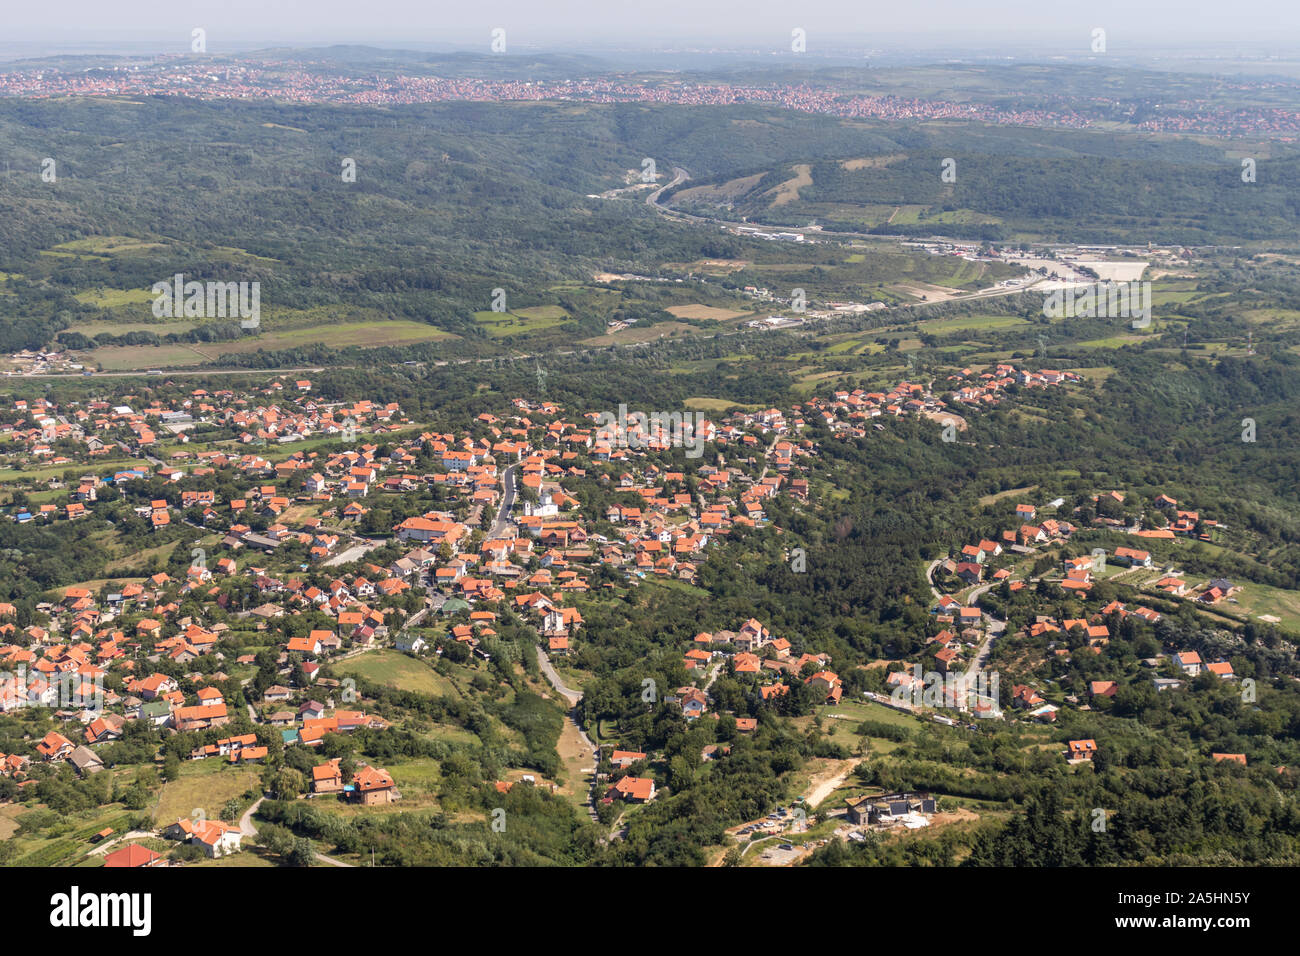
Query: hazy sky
{"x": 560, "y": 24}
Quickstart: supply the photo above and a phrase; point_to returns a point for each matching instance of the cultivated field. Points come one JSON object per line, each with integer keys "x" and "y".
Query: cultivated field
{"x": 698, "y": 311}
{"x": 398, "y": 332}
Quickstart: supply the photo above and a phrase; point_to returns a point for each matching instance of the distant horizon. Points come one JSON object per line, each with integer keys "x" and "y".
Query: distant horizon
{"x": 832, "y": 27}
{"x": 883, "y": 50}
{"x": 990, "y": 44}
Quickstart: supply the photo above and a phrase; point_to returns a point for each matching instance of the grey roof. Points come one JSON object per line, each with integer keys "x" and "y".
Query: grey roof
{"x": 84, "y": 758}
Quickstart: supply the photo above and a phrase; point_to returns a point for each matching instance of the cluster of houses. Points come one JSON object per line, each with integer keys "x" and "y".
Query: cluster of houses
{"x": 369, "y": 786}
{"x": 848, "y": 413}
{"x": 751, "y": 652}
{"x": 993, "y": 561}
{"x": 975, "y": 563}
{"x": 98, "y": 426}
{"x": 961, "y": 628}
{"x": 754, "y": 652}
{"x": 989, "y": 388}
{"x": 536, "y": 560}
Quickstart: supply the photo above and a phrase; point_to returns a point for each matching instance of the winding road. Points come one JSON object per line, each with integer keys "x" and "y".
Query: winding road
{"x": 997, "y": 626}
{"x": 572, "y": 697}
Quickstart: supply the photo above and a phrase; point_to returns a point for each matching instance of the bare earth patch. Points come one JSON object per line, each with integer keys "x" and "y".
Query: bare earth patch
{"x": 945, "y": 418}
{"x": 826, "y": 781}
{"x": 871, "y": 162}
{"x": 788, "y": 191}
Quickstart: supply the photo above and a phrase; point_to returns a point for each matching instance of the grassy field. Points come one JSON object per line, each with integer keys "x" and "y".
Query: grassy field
{"x": 788, "y": 191}
{"x": 703, "y": 404}
{"x": 575, "y": 758}
{"x": 861, "y": 710}
{"x": 521, "y": 321}
{"x": 912, "y": 214}
{"x": 338, "y": 335}
{"x": 9, "y": 819}
{"x": 91, "y": 329}
{"x": 966, "y": 322}
{"x": 205, "y": 784}
{"x": 130, "y": 358}
{"x": 110, "y": 298}
{"x": 1277, "y": 318}
{"x": 642, "y": 333}
{"x": 56, "y": 471}
{"x": 398, "y": 332}
{"x": 699, "y": 311}
{"x": 395, "y": 669}
{"x": 110, "y": 245}
{"x": 416, "y": 779}
{"x": 1260, "y": 600}
{"x": 1009, "y": 493}
{"x": 451, "y": 734}
{"x": 841, "y": 721}
{"x": 137, "y": 558}
{"x": 1113, "y": 342}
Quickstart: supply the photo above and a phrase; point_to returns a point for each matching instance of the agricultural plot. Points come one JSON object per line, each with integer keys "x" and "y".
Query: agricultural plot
{"x": 708, "y": 312}
{"x": 521, "y": 321}
{"x": 397, "y": 332}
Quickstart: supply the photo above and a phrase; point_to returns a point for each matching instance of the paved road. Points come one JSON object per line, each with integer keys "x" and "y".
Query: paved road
{"x": 507, "y": 502}
{"x": 682, "y": 175}
{"x": 929, "y": 577}
{"x": 104, "y": 848}
{"x": 652, "y": 201}
{"x": 997, "y": 626}
{"x": 568, "y": 693}
{"x": 679, "y": 176}
{"x": 717, "y": 669}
